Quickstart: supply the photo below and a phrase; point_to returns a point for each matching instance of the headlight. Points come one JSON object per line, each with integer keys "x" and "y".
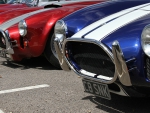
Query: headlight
{"x": 60, "y": 30}
{"x": 22, "y": 28}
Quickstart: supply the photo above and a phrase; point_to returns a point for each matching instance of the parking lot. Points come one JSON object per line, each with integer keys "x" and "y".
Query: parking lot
{"x": 37, "y": 87}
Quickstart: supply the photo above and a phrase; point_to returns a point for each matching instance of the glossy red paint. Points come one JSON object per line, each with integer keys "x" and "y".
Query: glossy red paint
{"x": 7, "y": 15}
{"x": 39, "y": 27}
{"x": 7, "y": 10}
{"x": 84, "y": 2}
{"x": 7, "y": 7}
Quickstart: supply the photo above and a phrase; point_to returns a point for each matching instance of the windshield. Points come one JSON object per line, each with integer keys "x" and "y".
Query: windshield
{"x": 2, "y": 2}
{"x": 11, "y": 1}
{"x": 31, "y": 3}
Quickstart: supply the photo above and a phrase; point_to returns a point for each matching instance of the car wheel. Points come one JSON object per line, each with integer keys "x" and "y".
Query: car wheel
{"x": 50, "y": 52}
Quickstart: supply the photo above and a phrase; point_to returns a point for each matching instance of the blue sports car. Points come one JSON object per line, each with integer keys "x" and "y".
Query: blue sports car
{"x": 108, "y": 45}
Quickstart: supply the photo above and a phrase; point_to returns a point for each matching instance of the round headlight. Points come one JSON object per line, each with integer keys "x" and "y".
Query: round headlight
{"x": 22, "y": 28}
{"x": 60, "y": 30}
{"x": 146, "y": 40}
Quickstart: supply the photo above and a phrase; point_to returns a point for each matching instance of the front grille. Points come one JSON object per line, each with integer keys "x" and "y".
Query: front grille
{"x": 148, "y": 67}
{"x": 91, "y": 58}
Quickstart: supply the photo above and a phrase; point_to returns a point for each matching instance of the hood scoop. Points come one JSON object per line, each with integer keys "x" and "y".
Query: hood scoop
{"x": 52, "y": 6}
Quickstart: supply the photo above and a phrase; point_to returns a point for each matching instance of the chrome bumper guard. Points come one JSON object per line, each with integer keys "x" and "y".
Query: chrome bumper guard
{"x": 117, "y": 57}
{"x": 120, "y": 64}
{"x": 8, "y": 50}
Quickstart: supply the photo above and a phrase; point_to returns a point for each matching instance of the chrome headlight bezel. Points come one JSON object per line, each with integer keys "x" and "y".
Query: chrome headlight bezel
{"x": 145, "y": 40}
{"x": 60, "y": 30}
{"x": 22, "y": 26}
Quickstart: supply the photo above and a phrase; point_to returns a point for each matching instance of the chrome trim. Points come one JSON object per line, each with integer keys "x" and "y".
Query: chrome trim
{"x": 121, "y": 92}
{"x": 120, "y": 64}
{"x": 130, "y": 60}
{"x": 61, "y": 59}
{"x": 78, "y": 71}
{"x": 60, "y": 30}
{"x": 8, "y": 49}
{"x": 132, "y": 69}
{"x": 142, "y": 42}
{"x": 22, "y": 26}
{"x": 117, "y": 57}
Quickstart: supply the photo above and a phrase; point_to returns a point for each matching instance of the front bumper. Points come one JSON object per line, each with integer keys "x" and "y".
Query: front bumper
{"x": 6, "y": 48}
{"x": 121, "y": 71}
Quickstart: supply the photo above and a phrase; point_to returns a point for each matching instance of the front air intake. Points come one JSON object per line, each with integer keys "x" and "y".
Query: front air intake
{"x": 90, "y": 57}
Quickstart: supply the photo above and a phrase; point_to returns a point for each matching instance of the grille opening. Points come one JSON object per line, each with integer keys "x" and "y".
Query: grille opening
{"x": 147, "y": 62}
{"x": 21, "y": 42}
{"x": 91, "y": 58}
{"x": 114, "y": 87}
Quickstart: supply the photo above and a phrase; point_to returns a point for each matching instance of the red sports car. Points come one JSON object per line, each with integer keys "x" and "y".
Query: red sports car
{"x": 31, "y": 35}
{"x": 21, "y": 4}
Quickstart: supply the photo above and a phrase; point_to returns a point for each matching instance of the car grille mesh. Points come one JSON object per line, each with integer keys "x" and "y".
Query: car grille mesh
{"x": 91, "y": 58}
{"x": 148, "y": 67}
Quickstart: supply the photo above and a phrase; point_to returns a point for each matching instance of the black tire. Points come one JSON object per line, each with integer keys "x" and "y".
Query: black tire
{"x": 49, "y": 54}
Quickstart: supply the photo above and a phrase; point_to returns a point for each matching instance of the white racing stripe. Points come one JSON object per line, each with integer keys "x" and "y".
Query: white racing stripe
{"x": 15, "y": 20}
{"x": 114, "y": 25}
{"x": 106, "y": 19}
{"x": 1, "y": 111}
{"x": 24, "y": 88}
{"x": 64, "y": 2}
{"x": 59, "y": 3}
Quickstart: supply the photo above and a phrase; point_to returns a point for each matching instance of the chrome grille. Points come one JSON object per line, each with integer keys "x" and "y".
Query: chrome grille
{"x": 91, "y": 58}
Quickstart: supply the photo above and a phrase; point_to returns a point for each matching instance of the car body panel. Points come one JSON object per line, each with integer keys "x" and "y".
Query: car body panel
{"x": 26, "y": 11}
{"x": 40, "y": 25}
{"x": 116, "y": 30}
{"x": 9, "y": 14}
{"x": 130, "y": 37}
{"x": 96, "y": 12}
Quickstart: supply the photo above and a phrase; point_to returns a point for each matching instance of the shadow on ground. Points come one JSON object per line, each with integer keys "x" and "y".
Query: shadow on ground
{"x": 38, "y": 63}
{"x": 120, "y": 104}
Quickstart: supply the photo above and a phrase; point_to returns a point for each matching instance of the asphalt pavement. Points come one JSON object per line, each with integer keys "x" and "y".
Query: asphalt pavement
{"x": 34, "y": 86}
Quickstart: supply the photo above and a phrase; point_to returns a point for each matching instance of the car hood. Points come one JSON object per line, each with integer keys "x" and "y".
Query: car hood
{"x": 125, "y": 26}
{"x": 104, "y": 11}
{"x": 69, "y": 3}
{"x": 15, "y": 20}
{"x": 9, "y": 14}
{"x": 106, "y": 26}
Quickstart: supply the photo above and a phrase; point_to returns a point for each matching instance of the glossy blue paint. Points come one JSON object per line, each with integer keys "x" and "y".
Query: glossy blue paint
{"x": 86, "y": 16}
{"x": 129, "y": 38}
